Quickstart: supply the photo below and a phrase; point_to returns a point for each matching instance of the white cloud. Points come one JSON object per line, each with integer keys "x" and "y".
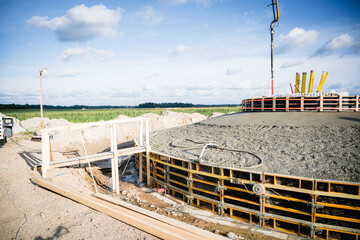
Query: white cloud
{"x": 145, "y": 34}
{"x": 231, "y": 70}
{"x": 295, "y": 39}
{"x": 69, "y": 53}
{"x": 81, "y": 23}
{"x": 67, "y": 74}
{"x": 291, "y": 63}
{"x": 181, "y": 49}
{"x": 342, "y": 41}
{"x": 204, "y": 3}
{"x": 104, "y": 54}
{"x": 148, "y": 14}
{"x": 151, "y": 76}
{"x": 72, "y": 52}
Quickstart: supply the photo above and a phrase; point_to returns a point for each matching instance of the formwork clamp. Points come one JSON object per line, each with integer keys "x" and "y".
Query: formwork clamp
{"x": 220, "y": 187}
{"x": 263, "y": 217}
{"x": 314, "y": 229}
{"x": 235, "y": 181}
{"x": 221, "y": 208}
{"x": 189, "y": 199}
{"x": 188, "y": 180}
{"x": 315, "y": 205}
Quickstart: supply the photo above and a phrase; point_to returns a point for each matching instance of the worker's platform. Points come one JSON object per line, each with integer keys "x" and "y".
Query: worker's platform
{"x": 301, "y": 102}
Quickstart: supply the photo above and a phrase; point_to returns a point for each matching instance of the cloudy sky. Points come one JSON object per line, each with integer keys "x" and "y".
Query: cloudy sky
{"x": 198, "y": 51}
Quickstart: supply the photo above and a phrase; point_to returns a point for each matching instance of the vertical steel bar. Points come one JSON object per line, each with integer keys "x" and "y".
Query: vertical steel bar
{"x": 297, "y": 82}
{"x": 303, "y": 83}
{"x": 311, "y": 81}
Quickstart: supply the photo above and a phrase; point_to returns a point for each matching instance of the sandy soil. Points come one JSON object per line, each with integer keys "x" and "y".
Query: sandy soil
{"x": 322, "y": 145}
{"x": 30, "y": 212}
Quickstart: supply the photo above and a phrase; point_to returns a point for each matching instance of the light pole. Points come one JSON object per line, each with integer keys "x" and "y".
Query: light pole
{"x": 41, "y": 72}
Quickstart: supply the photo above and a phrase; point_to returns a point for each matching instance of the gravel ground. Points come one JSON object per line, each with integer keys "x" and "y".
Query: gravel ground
{"x": 306, "y": 144}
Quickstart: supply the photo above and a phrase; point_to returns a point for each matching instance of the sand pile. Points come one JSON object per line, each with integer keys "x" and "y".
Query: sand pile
{"x": 97, "y": 138}
{"x": 314, "y": 145}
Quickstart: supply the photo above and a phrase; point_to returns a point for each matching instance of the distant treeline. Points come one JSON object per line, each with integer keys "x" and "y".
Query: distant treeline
{"x": 179, "y": 105}
{"x": 28, "y": 106}
{"x": 142, "y": 105}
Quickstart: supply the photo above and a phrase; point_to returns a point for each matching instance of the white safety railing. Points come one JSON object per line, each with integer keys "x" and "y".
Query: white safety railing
{"x": 114, "y": 151}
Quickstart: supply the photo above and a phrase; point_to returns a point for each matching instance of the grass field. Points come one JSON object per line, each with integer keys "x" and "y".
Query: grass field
{"x": 93, "y": 115}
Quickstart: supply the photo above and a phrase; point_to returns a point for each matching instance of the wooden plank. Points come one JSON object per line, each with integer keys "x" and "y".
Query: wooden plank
{"x": 287, "y": 103}
{"x": 274, "y": 104}
{"x": 96, "y": 157}
{"x": 45, "y": 152}
{"x": 162, "y": 218}
{"x": 148, "y": 224}
{"x": 356, "y": 103}
{"x": 340, "y": 103}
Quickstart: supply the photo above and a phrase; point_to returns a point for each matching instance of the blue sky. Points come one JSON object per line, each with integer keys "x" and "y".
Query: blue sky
{"x": 198, "y": 51}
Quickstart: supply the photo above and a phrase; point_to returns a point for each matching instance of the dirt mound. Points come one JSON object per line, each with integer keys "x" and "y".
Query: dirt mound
{"x": 97, "y": 138}
{"x": 33, "y": 124}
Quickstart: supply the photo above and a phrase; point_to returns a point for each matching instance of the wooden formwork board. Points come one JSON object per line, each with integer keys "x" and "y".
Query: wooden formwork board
{"x": 324, "y": 209}
{"x": 153, "y": 223}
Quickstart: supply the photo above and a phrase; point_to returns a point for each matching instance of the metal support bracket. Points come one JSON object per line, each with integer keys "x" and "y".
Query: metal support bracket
{"x": 221, "y": 209}
{"x": 189, "y": 199}
{"x": 315, "y": 205}
{"x": 188, "y": 180}
{"x": 220, "y": 187}
{"x": 236, "y": 181}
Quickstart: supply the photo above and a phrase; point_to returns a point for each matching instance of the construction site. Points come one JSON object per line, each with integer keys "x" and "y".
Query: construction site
{"x": 285, "y": 167}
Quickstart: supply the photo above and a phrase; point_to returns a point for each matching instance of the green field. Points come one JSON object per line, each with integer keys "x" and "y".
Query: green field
{"x": 93, "y": 115}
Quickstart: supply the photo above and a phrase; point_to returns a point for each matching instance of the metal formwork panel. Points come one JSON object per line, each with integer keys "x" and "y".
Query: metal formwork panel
{"x": 321, "y": 209}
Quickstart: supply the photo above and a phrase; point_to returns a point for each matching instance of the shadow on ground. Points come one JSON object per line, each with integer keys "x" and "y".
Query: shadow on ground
{"x": 60, "y": 231}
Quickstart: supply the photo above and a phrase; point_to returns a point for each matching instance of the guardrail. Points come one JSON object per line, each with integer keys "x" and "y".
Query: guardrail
{"x": 302, "y": 103}
{"x": 114, "y": 153}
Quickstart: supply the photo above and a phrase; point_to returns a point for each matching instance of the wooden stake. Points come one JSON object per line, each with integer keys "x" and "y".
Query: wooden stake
{"x": 141, "y": 142}
{"x": 148, "y": 179}
{"x": 116, "y": 162}
{"x": 111, "y": 127}
{"x": 45, "y": 155}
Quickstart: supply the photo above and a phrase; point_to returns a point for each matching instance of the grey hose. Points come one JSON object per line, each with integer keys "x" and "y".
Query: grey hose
{"x": 203, "y": 145}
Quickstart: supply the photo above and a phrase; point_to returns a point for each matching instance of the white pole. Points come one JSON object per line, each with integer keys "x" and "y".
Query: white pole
{"x": 111, "y": 127}
{"x": 147, "y": 152}
{"x": 41, "y": 105}
{"x": 45, "y": 152}
{"x": 116, "y": 162}
{"x": 141, "y": 154}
